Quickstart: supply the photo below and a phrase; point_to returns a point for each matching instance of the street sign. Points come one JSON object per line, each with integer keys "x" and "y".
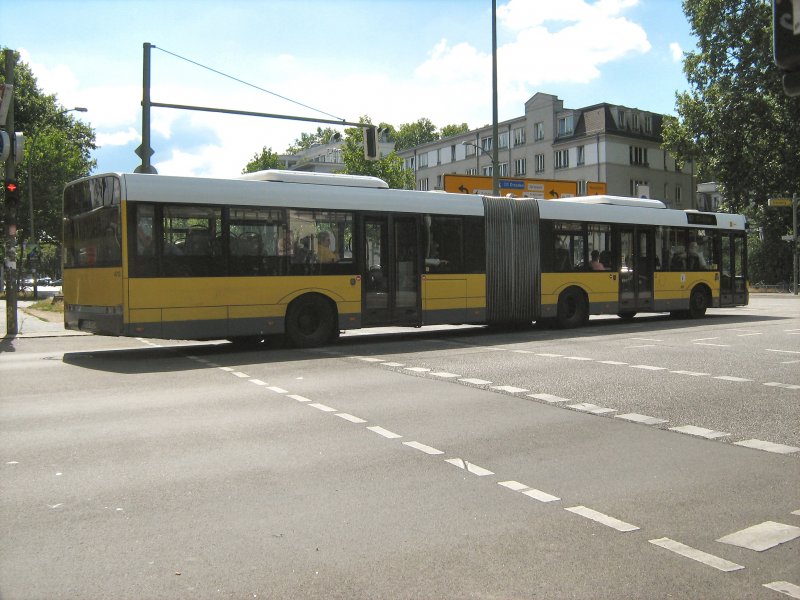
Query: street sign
{"x": 787, "y": 238}
{"x": 780, "y": 201}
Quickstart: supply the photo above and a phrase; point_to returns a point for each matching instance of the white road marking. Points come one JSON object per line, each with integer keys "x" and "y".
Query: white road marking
{"x": 637, "y": 418}
{"x": 768, "y": 446}
{"x": 612, "y": 362}
{"x": 790, "y": 362}
{"x": 548, "y": 355}
{"x": 349, "y": 417}
{"x": 509, "y": 388}
{"x": 213, "y": 364}
{"x": 648, "y": 367}
{"x": 599, "y": 517}
{"x": 240, "y": 374}
{"x": 794, "y": 512}
{"x": 549, "y": 398}
{"x": 784, "y": 587}
{"x": 15, "y": 462}
{"x": 747, "y": 334}
{"x": 417, "y": 369}
{"x": 592, "y": 408}
{"x": 691, "y": 373}
{"x": 468, "y": 466}
{"x": 703, "y": 557}
{"x": 763, "y": 536}
{"x": 258, "y": 382}
{"x": 729, "y": 378}
{"x": 384, "y": 432}
{"x": 788, "y": 386}
{"x": 368, "y": 358}
{"x": 278, "y": 390}
{"x": 473, "y": 381}
{"x": 515, "y": 486}
{"x": 523, "y": 351}
{"x": 323, "y": 407}
{"x": 577, "y": 358}
{"x": 393, "y": 364}
{"x": 710, "y": 344}
{"x": 709, "y": 434}
{"x": 227, "y": 369}
{"x": 299, "y": 398}
{"x": 705, "y": 339}
{"x": 644, "y": 340}
{"x": 540, "y": 495}
{"x": 640, "y": 346}
{"x": 422, "y": 448}
{"x": 445, "y": 375}
{"x": 783, "y": 351}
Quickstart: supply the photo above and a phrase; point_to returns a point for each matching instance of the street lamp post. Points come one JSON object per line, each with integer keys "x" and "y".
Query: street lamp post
{"x": 494, "y": 158}
{"x": 30, "y": 187}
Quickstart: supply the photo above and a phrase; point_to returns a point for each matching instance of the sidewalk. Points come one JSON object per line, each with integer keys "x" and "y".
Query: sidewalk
{"x": 32, "y": 323}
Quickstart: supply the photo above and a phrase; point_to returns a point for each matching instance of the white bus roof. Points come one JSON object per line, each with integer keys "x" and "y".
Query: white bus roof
{"x": 315, "y": 178}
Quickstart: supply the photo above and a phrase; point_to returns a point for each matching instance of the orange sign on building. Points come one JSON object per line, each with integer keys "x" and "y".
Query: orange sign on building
{"x": 519, "y": 187}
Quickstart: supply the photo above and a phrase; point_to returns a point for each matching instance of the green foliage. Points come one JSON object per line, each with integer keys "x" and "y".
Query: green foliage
{"x": 321, "y": 136}
{"x": 57, "y": 150}
{"x": 451, "y": 130}
{"x": 413, "y": 134}
{"x": 389, "y": 168}
{"x": 262, "y": 161}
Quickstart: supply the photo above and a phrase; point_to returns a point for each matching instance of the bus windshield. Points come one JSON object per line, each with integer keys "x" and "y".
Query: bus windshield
{"x": 92, "y": 223}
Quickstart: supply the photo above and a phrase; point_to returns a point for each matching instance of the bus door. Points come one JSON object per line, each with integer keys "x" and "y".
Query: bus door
{"x": 733, "y": 288}
{"x": 637, "y": 264}
{"x": 390, "y": 270}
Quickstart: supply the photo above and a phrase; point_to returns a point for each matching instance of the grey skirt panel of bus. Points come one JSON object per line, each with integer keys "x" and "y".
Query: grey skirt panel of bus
{"x": 513, "y": 268}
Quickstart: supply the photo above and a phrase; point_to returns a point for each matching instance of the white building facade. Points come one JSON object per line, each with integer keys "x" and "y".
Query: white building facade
{"x": 614, "y": 144}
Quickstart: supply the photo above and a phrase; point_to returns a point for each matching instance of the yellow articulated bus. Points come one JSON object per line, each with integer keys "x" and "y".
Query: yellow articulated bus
{"x": 308, "y": 255}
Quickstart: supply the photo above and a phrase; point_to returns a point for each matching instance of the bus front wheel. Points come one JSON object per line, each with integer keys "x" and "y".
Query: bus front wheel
{"x": 310, "y": 321}
{"x": 698, "y": 303}
{"x": 573, "y": 310}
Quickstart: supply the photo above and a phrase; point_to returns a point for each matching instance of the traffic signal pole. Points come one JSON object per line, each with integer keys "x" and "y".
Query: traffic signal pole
{"x": 11, "y": 201}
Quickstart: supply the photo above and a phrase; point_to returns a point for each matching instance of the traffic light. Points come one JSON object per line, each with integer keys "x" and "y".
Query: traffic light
{"x": 12, "y": 190}
{"x": 786, "y": 42}
{"x": 371, "y": 143}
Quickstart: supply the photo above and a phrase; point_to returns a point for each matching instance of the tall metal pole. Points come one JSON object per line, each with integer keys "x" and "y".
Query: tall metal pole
{"x": 495, "y": 150}
{"x": 795, "y": 248}
{"x": 11, "y": 215}
{"x": 145, "y": 151}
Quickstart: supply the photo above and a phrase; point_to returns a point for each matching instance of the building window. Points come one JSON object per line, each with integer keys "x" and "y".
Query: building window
{"x": 472, "y": 171}
{"x": 581, "y": 155}
{"x": 409, "y": 163}
{"x": 503, "y": 169}
{"x": 678, "y": 195}
{"x": 621, "y": 118}
{"x": 635, "y": 120}
{"x": 520, "y": 166}
{"x": 423, "y": 184}
{"x": 565, "y": 126}
{"x": 648, "y": 123}
{"x": 538, "y": 131}
{"x": 638, "y": 186}
{"x": 487, "y": 171}
{"x": 561, "y": 159}
{"x": 519, "y": 136}
{"x": 470, "y": 149}
{"x": 486, "y": 144}
{"x": 502, "y": 140}
{"x": 539, "y": 158}
{"x": 638, "y": 155}
{"x": 581, "y": 187}
{"x": 453, "y": 153}
{"x": 438, "y": 182}
{"x": 422, "y": 160}
{"x": 438, "y": 156}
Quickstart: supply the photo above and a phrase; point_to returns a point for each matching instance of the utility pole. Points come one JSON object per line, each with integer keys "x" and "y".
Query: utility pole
{"x": 11, "y": 200}
{"x": 495, "y": 150}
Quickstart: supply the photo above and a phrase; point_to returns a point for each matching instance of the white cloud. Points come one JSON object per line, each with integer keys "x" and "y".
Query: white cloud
{"x": 677, "y": 51}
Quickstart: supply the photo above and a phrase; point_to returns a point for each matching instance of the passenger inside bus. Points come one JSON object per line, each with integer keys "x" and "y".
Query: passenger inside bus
{"x": 597, "y": 265}
{"x": 326, "y": 247}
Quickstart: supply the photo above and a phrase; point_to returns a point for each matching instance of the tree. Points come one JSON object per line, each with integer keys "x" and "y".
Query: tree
{"x": 451, "y": 130}
{"x": 389, "y": 168}
{"x": 735, "y": 121}
{"x": 414, "y": 134}
{"x": 267, "y": 159}
{"x": 322, "y": 136}
{"x": 57, "y": 150}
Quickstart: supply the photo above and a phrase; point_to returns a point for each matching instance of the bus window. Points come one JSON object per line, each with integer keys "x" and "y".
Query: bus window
{"x": 257, "y": 240}
{"x": 188, "y": 242}
{"x": 599, "y": 242}
{"x": 443, "y": 244}
{"x": 699, "y": 252}
{"x": 676, "y": 244}
{"x": 321, "y": 242}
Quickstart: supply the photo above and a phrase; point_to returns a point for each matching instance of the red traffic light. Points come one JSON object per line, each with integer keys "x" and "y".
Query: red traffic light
{"x": 11, "y": 186}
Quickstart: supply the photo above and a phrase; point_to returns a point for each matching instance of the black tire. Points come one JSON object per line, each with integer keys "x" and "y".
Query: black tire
{"x": 698, "y": 303}
{"x": 627, "y": 315}
{"x": 573, "y": 310}
{"x": 310, "y": 321}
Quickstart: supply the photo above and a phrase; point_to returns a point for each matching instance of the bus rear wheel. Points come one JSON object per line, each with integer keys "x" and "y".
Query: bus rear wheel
{"x": 573, "y": 310}
{"x": 310, "y": 321}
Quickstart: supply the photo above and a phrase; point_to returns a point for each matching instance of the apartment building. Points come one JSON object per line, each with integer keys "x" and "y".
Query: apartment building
{"x": 608, "y": 143}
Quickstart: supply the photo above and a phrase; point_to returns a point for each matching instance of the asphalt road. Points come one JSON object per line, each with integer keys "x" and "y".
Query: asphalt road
{"x": 651, "y": 459}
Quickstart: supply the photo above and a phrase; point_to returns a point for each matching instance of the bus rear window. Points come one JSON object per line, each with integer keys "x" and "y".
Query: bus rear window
{"x": 92, "y": 225}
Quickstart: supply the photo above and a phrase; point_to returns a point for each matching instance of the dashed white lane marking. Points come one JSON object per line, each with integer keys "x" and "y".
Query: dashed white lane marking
{"x": 709, "y": 434}
{"x": 640, "y": 346}
{"x": 763, "y": 536}
{"x": 648, "y": 367}
{"x": 782, "y": 351}
{"x": 711, "y": 344}
{"x": 227, "y": 369}
{"x": 549, "y": 355}
{"x": 258, "y": 382}
{"x": 240, "y": 374}
{"x": 384, "y": 432}
{"x": 612, "y": 362}
{"x": 509, "y": 388}
{"x": 592, "y": 408}
{"x": 794, "y": 512}
{"x": 784, "y": 587}
{"x": 599, "y": 517}
{"x": 422, "y": 448}
{"x": 747, "y": 334}
{"x": 768, "y": 446}
{"x": 637, "y": 418}
{"x": 368, "y": 359}
{"x": 705, "y": 339}
{"x": 515, "y": 486}
{"x": 393, "y": 364}
{"x": 703, "y": 557}
{"x": 691, "y": 373}
{"x": 278, "y": 390}
{"x": 417, "y": 369}
{"x": 549, "y": 398}
{"x": 577, "y": 358}
{"x": 349, "y": 417}
{"x": 468, "y": 466}
{"x": 730, "y": 378}
{"x": 473, "y": 381}
{"x": 644, "y": 340}
{"x": 323, "y": 407}
{"x": 445, "y": 375}
{"x": 299, "y": 398}
{"x": 540, "y": 495}
{"x": 523, "y": 351}
{"x": 786, "y": 386}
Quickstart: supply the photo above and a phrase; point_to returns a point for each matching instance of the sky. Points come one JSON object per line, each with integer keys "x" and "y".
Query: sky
{"x": 395, "y": 61}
